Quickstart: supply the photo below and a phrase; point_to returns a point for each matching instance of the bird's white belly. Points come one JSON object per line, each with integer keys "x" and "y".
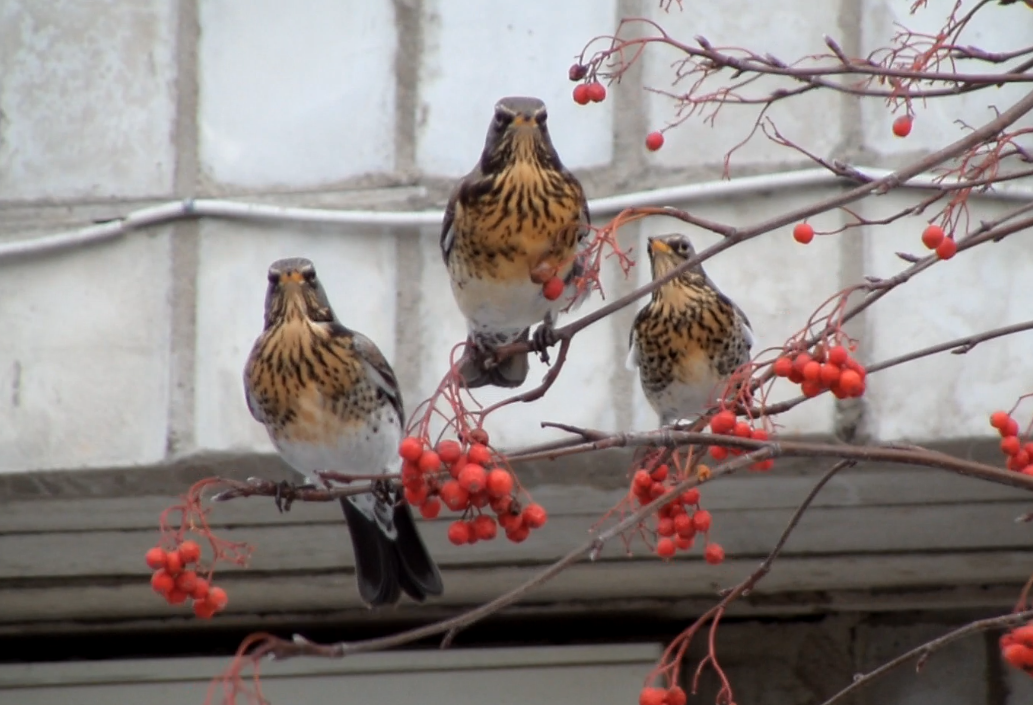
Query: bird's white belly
{"x": 679, "y": 401}
{"x": 358, "y": 451}
{"x": 504, "y": 307}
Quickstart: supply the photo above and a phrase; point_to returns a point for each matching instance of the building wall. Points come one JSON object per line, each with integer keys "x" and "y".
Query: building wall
{"x": 120, "y": 367}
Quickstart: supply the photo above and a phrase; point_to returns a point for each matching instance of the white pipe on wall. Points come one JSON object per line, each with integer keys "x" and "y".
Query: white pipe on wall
{"x": 673, "y": 195}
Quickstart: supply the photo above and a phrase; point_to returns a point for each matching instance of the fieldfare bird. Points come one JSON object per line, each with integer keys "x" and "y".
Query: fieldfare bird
{"x": 518, "y": 218}
{"x": 689, "y": 339}
{"x": 330, "y": 401}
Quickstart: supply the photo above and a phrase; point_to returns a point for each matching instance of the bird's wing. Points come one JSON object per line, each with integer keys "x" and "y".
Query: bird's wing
{"x": 447, "y": 234}
{"x": 632, "y": 361}
{"x": 376, "y": 366}
{"x": 747, "y": 329}
{"x": 253, "y": 404}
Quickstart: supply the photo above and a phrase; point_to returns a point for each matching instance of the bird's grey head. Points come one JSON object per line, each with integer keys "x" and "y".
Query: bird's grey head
{"x": 668, "y": 251}
{"x": 518, "y": 131}
{"x": 294, "y": 290}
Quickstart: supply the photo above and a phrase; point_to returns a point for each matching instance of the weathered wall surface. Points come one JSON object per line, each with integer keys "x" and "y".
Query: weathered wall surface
{"x": 124, "y": 357}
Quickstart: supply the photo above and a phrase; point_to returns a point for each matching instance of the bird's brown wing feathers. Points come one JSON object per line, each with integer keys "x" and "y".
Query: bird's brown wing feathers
{"x": 377, "y": 366}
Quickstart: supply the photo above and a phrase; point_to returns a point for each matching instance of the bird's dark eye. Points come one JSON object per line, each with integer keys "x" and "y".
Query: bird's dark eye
{"x": 541, "y": 117}
{"x": 274, "y": 277}
{"x": 309, "y": 275}
{"x": 502, "y": 119}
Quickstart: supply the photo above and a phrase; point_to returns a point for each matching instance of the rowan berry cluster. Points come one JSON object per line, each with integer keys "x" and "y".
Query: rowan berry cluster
{"x": 724, "y": 424}
{"x": 466, "y": 477}
{"x": 934, "y": 238}
{"x": 1020, "y": 457}
{"x": 585, "y": 93}
{"x": 834, "y": 370}
{"x": 679, "y": 520}
{"x": 662, "y": 696}
{"x": 1017, "y": 648}
{"x": 174, "y": 580}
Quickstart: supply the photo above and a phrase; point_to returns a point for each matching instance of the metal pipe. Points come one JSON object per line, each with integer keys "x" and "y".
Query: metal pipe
{"x": 672, "y": 195}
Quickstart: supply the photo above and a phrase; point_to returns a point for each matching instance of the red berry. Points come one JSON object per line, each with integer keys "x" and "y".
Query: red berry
{"x": 651, "y": 696}
{"x": 553, "y": 288}
{"x": 701, "y": 520}
{"x": 665, "y": 548}
{"x": 203, "y": 609}
{"x": 499, "y": 483}
{"x": 829, "y": 374}
{"x": 1010, "y": 428}
{"x": 683, "y": 526}
{"x": 759, "y": 434}
{"x": 186, "y": 581}
{"x": 518, "y": 533}
{"x": 947, "y": 249}
{"x": 485, "y": 527}
{"x": 743, "y": 430}
{"x": 850, "y": 382}
{"x": 690, "y": 497}
{"x": 660, "y": 473}
{"x": 654, "y": 141}
{"x": 718, "y": 452}
{"x": 416, "y": 496}
{"x": 455, "y": 496}
{"x": 449, "y": 451}
{"x": 596, "y": 92}
{"x": 675, "y": 696}
{"x": 684, "y": 543}
{"x": 459, "y": 533}
{"x": 999, "y": 419}
{"x": 1021, "y": 459}
{"x": 472, "y": 478}
{"x": 656, "y": 489}
{"x": 1010, "y": 445}
{"x": 479, "y": 435}
{"x": 431, "y": 508}
{"x": 190, "y": 552}
{"x": 665, "y": 527}
{"x": 479, "y": 453}
{"x": 576, "y": 72}
{"x": 410, "y": 448}
{"x": 713, "y": 554}
{"x": 723, "y": 422}
{"x": 429, "y": 461}
{"x": 932, "y": 236}
{"x": 902, "y": 126}
{"x": 217, "y": 598}
{"x": 535, "y": 516}
{"x": 201, "y": 588}
{"x": 162, "y": 583}
{"x": 783, "y": 367}
{"x": 176, "y": 597}
{"x": 1018, "y": 655}
{"x": 1023, "y": 635}
{"x": 838, "y": 355}
{"x": 642, "y": 480}
{"x": 812, "y": 371}
{"x": 810, "y": 388}
{"x": 803, "y": 233}
{"x": 581, "y": 94}
{"x": 174, "y": 562}
{"x": 155, "y": 558}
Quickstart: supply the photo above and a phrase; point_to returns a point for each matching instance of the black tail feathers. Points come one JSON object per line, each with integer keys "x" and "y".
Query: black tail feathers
{"x": 389, "y": 560}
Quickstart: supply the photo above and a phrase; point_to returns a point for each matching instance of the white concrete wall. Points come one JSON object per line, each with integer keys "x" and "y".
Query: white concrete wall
{"x": 129, "y": 353}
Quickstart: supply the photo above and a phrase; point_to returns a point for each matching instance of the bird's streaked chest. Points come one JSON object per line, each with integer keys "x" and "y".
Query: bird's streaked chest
{"x": 529, "y": 215}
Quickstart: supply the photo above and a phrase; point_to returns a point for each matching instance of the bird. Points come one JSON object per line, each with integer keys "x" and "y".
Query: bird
{"x": 329, "y": 400}
{"x": 688, "y": 339}
{"x": 517, "y": 219}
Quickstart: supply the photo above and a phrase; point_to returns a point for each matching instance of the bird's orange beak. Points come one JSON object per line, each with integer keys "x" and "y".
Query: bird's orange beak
{"x": 657, "y": 245}
{"x": 291, "y": 277}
